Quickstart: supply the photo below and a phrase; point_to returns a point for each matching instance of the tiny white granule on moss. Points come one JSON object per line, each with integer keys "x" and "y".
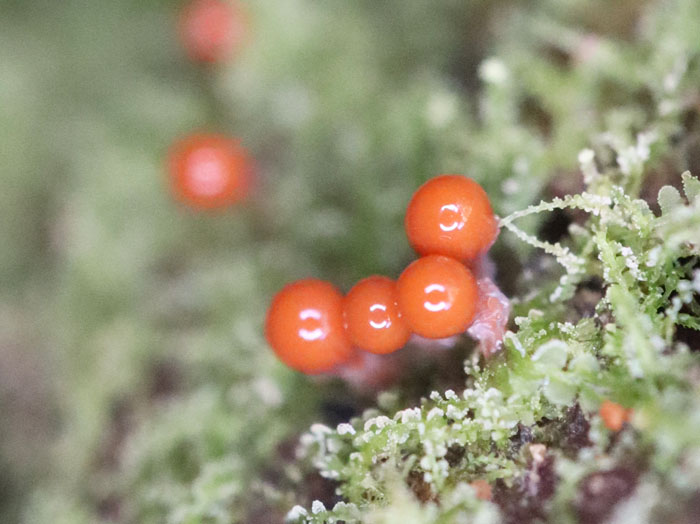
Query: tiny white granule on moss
{"x": 317, "y": 507}
{"x": 450, "y": 395}
{"x": 345, "y": 429}
{"x": 355, "y": 456}
{"x": 411, "y": 414}
{"x": 296, "y": 513}
{"x": 329, "y": 474}
{"x": 380, "y": 421}
{"x": 435, "y": 412}
{"x": 631, "y": 262}
{"x": 516, "y": 342}
{"x": 696, "y": 281}
{"x": 454, "y": 413}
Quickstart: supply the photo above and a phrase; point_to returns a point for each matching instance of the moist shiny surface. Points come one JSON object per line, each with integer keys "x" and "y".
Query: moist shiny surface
{"x": 437, "y": 296}
{"x": 304, "y": 326}
{"x": 451, "y": 215}
{"x": 372, "y": 317}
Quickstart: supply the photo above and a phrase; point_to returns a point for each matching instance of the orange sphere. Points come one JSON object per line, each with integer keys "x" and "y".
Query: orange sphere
{"x": 482, "y": 489}
{"x": 437, "y": 296}
{"x": 451, "y": 215}
{"x": 614, "y": 415}
{"x": 210, "y": 30}
{"x": 372, "y": 317}
{"x": 305, "y": 328}
{"x": 210, "y": 171}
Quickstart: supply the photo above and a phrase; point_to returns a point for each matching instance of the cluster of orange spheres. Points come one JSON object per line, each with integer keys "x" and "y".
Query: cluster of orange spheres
{"x": 310, "y": 325}
{"x": 313, "y": 328}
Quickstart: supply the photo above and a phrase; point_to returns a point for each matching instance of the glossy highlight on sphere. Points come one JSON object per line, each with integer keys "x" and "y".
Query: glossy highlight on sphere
{"x": 451, "y": 215}
{"x": 210, "y": 171}
{"x": 305, "y": 328}
{"x": 210, "y": 30}
{"x": 437, "y": 296}
{"x": 372, "y": 316}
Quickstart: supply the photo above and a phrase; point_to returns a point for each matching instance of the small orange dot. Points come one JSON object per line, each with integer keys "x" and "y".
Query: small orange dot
{"x": 614, "y": 415}
{"x": 451, "y": 215}
{"x": 437, "y": 296}
{"x": 482, "y": 489}
{"x": 372, "y": 316}
{"x": 305, "y": 328}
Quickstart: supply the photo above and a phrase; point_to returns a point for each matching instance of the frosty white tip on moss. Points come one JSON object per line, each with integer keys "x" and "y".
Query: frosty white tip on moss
{"x": 696, "y": 280}
{"x": 586, "y": 159}
{"x": 435, "y": 412}
{"x": 345, "y": 429}
{"x": 516, "y": 342}
{"x": 632, "y": 158}
{"x": 296, "y": 513}
{"x": 410, "y": 414}
{"x": 379, "y": 422}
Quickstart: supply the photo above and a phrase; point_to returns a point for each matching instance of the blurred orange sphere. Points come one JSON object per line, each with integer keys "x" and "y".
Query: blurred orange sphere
{"x": 210, "y": 171}
{"x": 614, "y": 415}
{"x": 211, "y": 30}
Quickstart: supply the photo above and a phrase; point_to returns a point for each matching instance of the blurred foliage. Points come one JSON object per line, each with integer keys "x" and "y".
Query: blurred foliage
{"x": 135, "y": 383}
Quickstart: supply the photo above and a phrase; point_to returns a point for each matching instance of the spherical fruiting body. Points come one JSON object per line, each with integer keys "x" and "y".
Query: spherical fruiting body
{"x": 372, "y": 317}
{"x": 614, "y": 415}
{"x": 211, "y": 30}
{"x": 437, "y": 296}
{"x": 210, "y": 171}
{"x": 305, "y": 328}
{"x": 451, "y": 215}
